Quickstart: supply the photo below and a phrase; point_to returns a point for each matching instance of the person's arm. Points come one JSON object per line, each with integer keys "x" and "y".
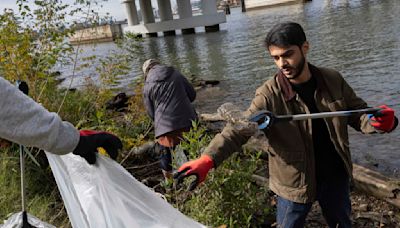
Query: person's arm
{"x": 364, "y": 122}
{"x": 230, "y": 140}
{"x": 221, "y": 147}
{"x": 26, "y": 122}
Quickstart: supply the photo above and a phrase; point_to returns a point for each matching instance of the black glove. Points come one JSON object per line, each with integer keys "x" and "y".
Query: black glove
{"x": 89, "y": 141}
{"x": 23, "y": 86}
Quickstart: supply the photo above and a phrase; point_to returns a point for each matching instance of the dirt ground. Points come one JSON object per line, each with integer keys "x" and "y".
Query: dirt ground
{"x": 367, "y": 212}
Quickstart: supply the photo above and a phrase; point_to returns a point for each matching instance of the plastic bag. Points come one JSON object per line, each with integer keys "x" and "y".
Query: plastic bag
{"x": 15, "y": 221}
{"x": 106, "y": 195}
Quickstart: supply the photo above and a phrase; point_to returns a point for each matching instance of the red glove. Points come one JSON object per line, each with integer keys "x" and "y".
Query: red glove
{"x": 89, "y": 141}
{"x": 198, "y": 168}
{"x": 384, "y": 120}
{"x": 4, "y": 143}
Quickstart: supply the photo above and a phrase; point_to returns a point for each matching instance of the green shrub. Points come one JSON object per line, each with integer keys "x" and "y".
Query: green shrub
{"x": 229, "y": 195}
{"x": 42, "y": 197}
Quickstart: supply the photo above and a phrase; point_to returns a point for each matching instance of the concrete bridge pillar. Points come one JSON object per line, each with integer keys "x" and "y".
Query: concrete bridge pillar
{"x": 209, "y": 7}
{"x": 164, "y": 8}
{"x": 185, "y": 11}
{"x": 131, "y": 12}
{"x": 147, "y": 14}
{"x": 168, "y": 24}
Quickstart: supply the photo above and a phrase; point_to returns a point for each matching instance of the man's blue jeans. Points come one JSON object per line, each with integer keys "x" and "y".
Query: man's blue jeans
{"x": 332, "y": 196}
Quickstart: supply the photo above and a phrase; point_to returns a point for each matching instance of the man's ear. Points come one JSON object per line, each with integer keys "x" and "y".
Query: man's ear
{"x": 305, "y": 47}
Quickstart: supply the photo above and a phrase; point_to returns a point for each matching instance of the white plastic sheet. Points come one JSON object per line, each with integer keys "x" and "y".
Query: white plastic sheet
{"x": 15, "y": 221}
{"x": 106, "y": 195}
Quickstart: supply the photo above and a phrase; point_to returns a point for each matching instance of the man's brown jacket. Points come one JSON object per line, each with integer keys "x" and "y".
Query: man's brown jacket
{"x": 290, "y": 145}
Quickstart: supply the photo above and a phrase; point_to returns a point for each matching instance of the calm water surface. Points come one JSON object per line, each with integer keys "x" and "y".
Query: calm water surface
{"x": 359, "y": 38}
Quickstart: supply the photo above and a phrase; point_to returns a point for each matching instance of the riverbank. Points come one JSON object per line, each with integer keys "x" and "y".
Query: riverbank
{"x": 235, "y": 57}
{"x": 367, "y": 212}
{"x": 96, "y": 34}
{"x": 260, "y": 4}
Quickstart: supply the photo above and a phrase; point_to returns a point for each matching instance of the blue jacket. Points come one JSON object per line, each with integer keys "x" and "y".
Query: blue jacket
{"x": 167, "y": 96}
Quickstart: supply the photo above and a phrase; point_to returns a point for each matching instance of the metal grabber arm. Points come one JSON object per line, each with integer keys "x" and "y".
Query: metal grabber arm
{"x": 266, "y": 118}
{"x": 23, "y": 86}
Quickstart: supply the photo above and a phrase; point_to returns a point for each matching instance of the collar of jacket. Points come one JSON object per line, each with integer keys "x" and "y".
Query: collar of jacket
{"x": 286, "y": 87}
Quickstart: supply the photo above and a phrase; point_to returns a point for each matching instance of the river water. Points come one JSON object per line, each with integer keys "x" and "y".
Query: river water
{"x": 359, "y": 38}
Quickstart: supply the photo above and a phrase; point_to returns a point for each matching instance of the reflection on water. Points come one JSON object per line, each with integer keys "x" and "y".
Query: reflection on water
{"x": 359, "y": 38}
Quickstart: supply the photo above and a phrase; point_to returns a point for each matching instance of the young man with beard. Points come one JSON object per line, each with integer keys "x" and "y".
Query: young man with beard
{"x": 309, "y": 160}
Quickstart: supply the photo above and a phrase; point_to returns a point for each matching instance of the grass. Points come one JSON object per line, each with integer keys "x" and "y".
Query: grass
{"x": 42, "y": 197}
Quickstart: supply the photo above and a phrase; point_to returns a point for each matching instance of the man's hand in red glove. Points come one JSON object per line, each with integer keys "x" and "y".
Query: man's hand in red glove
{"x": 384, "y": 120}
{"x": 198, "y": 168}
{"x": 89, "y": 141}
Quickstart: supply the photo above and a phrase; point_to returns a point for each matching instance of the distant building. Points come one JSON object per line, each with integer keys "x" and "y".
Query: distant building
{"x": 232, "y": 3}
{"x": 94, "y": 34}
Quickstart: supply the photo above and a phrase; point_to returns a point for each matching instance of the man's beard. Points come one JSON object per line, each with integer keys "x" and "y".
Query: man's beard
{"x": 298, "y": 68}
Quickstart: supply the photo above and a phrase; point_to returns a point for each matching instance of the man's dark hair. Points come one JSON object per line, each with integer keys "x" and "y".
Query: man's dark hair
{"x": 285, "y": 34}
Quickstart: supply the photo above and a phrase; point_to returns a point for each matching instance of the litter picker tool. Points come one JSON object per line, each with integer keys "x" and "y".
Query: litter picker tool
{"x": 265, "y": 118}
{"x": 23, "y": 86}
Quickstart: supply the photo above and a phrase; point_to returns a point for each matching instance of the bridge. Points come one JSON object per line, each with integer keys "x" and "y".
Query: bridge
{"x": 186, "y": 21}
{"x": 167, "y": 24}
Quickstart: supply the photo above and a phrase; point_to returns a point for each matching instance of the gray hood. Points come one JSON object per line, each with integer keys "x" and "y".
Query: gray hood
{"x": 159, "y": 73}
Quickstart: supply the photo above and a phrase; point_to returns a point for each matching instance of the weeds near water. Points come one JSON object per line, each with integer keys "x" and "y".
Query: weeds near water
{"x": 32, "y": 43}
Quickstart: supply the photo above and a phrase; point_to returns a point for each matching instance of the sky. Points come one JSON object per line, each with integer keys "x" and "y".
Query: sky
{"x": 114, "y": 7}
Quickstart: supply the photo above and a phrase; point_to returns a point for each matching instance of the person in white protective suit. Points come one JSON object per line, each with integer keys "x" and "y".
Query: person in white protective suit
{"x": 26, "y": 122}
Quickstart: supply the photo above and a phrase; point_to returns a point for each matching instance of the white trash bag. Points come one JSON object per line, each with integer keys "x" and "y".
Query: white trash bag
{"x": 106, "y": 195}
{"x": 15, "y": 221}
